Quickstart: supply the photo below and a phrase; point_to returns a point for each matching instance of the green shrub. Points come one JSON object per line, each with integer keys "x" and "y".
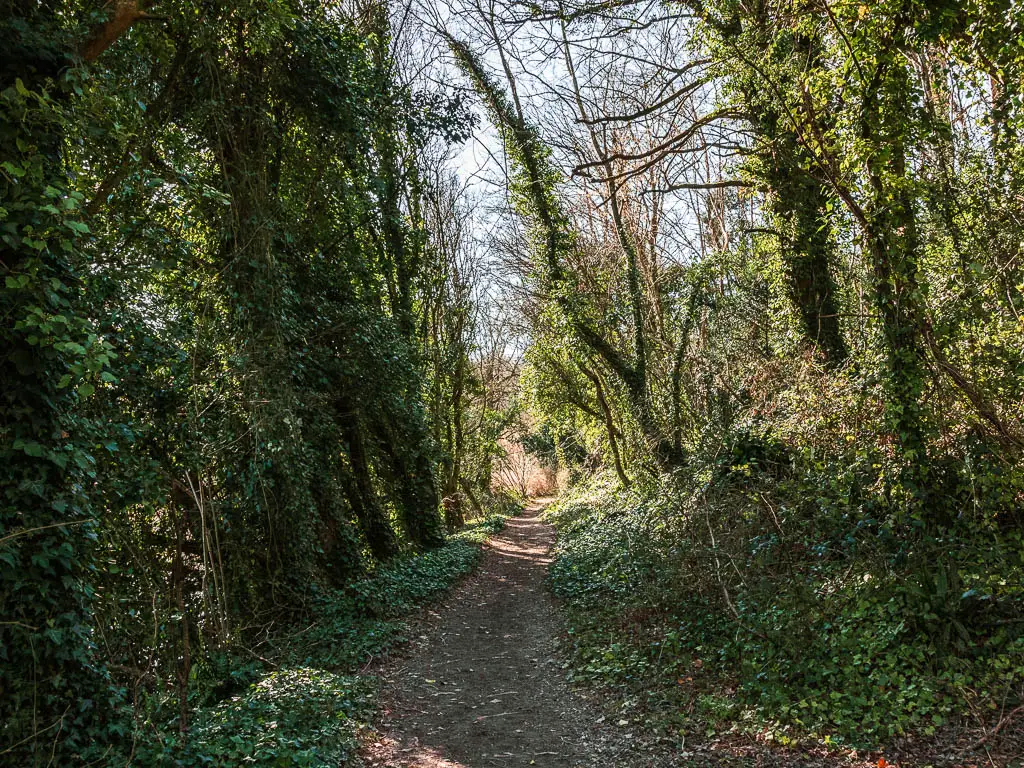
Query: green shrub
{"x": 292, "y": 717}
{"x": 295, "y": 717}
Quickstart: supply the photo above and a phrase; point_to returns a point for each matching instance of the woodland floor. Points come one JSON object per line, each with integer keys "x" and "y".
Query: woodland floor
{"x": 484, "y": 685}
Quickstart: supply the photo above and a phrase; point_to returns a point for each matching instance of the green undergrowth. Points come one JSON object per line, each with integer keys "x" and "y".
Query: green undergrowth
{"x": 368, "y": 617}
{"x": 783, "y": 605}
{"x": 300, "y": 700}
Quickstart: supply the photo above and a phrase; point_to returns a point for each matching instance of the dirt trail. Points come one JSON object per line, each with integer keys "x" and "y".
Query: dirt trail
{"x": 484, "y": 687}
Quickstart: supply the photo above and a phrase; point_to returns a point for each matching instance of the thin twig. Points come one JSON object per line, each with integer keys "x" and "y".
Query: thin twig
{"x": 999, "y": 726}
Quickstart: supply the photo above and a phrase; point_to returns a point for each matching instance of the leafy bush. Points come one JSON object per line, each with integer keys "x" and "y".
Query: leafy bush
{"x": 294, "y": 717}
{"x": 364, "y": 619}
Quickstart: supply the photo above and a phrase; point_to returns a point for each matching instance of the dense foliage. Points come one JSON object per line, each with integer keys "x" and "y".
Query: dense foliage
{"x": 227, "y": 370}
{"x": 715, "y": 615}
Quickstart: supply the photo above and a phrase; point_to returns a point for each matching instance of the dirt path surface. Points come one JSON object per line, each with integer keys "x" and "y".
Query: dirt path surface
{"x": 485, "y": 686}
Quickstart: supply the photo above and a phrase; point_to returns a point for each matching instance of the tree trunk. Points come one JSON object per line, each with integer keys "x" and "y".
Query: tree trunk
{"x": 361, "y": 495}
{"x": 609, "y": 424}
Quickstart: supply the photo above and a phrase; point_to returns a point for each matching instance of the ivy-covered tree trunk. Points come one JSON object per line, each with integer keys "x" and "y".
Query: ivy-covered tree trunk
{"x": 361, "y": 495}
{"x": 800, "y": 202}
{"x": 454, "y": 513}
{"x": 408, "y": 448}
{"x": 609, "y": 423}
{"x": 894, "y": 246}
{"x": 271, "y": 499}
{"x": 797, "y": 199}
{"x": 339, "y": 539}
{"x": 412, "y": 475}
{"x": 53, "y": 691}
